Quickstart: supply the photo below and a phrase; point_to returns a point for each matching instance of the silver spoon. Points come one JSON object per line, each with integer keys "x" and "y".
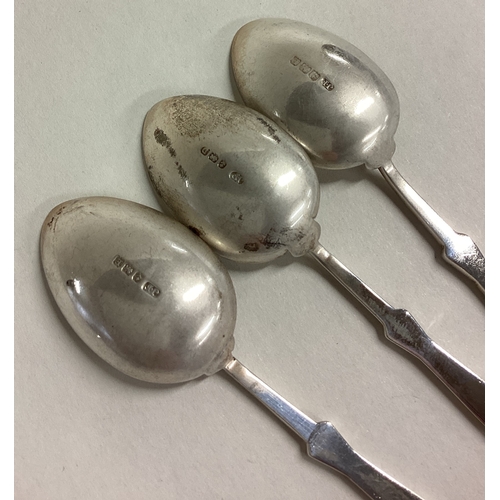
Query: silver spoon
{"x": 150, "y": 298}
{"x": 340, "y": 106}
{"x": 250, "y": 191}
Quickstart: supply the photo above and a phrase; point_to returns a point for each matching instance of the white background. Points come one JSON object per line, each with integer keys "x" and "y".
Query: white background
{"x": 86, "y": 74}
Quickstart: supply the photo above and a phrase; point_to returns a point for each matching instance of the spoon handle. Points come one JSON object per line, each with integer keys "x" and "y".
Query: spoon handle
{"x": 402, "y": 328}
{"x": 324, "y": 442}
{"x": 459, "y": 249}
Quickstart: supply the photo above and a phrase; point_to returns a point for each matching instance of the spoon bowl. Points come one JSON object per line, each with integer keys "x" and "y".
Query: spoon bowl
{"x": 150, "y": 298}
{"x": 340, "y": 106}
{"x": 140, "y": 290}
{"x": 269, "y": 210}
{"x": 213, "y": 162}
{"x": 331, "y": 97}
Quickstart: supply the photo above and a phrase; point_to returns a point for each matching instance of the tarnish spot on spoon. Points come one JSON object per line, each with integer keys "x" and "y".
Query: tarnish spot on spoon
{"x": 274, "y": 239}
{"x": 162, "y": 139}
{"x": 251, "y": 247}
{"x": 193, "y": 122}
{"x": 52, "y": 223}
{"x": 182, "y": 173}
{"x": 196, "y": 231}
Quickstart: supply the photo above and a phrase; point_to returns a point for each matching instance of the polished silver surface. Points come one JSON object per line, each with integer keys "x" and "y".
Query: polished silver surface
{"x": 141, "y": 291}
{"x": 300, "y": 423}
{"x": 338, "y": 104}
{"x": 459, "y": 249}
{"x": 325, "y": 92}
{"x": 403, "y": 329}
{"x": 272, "y": 209}
{"x": 324, "y": 442}
{"x": 213, "y": 162}
{"x": 151, "y": 299}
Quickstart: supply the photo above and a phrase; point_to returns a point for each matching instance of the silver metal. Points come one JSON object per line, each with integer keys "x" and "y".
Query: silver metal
{"x": 459, "y": 249}
{"x": 213, "y": 162}
{"x": 338, "y": 104}
{"x": 151, "y": 299}
{"x": 334, "y": 100}
{"x": 271, "y": 211}
{"x": 300, "y": 423}
{"x": 403, "y": 329}
{"x": 142, "y": 291}
{"x": 324, "y": 442}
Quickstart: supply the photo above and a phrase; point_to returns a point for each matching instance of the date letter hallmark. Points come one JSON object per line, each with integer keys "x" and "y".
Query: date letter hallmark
{"x": 136, "y": 276}
{"x": 236, "y": 177}
{"x": 311, "y": 73}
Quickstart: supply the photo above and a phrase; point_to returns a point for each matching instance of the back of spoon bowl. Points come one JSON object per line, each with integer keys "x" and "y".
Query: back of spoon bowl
{"x": 139, "y": 289}
{"x": 163, "y": 309}
{"x": 232, "y": 176}
{"x": 341, "y": 107}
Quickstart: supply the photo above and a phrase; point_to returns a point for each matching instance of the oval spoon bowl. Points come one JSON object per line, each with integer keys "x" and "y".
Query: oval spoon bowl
{"x": 331, "y": 97}
{"x": 336, "y": 102}
{"x": 213, "y": 162}
{"x": 165, "y": 313}
{"x": 139, "y": 289}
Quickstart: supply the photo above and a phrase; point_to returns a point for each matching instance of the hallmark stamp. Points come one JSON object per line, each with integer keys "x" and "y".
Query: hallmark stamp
{"x": 311, "y": 73}
{"x": 305, "y": 68}
{"x": 314, "y": 75}
{"x": 150, "y": 289}
{"x": 213, "y": 157}
{"x": 137, "y": 277}
{"x": 236, "y": 177}
{"x": 327, "y": 84}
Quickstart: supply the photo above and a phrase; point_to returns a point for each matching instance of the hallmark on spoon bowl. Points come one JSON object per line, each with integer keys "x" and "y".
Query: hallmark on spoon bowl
{"x": 236, "y": 177}
{"x": 213, "y": 157}
{"x": 310, "y": 72}
{"x": 136, "y": 276}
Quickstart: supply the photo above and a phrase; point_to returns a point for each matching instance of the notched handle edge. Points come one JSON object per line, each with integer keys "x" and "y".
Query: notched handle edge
{"x": 328, "y": 446}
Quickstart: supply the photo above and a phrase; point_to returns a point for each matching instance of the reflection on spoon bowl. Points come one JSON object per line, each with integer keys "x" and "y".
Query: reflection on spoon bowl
{"x": 150, "y": 298}
{"x": 340, "y": 106}
{"x": 250, "y": 191}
